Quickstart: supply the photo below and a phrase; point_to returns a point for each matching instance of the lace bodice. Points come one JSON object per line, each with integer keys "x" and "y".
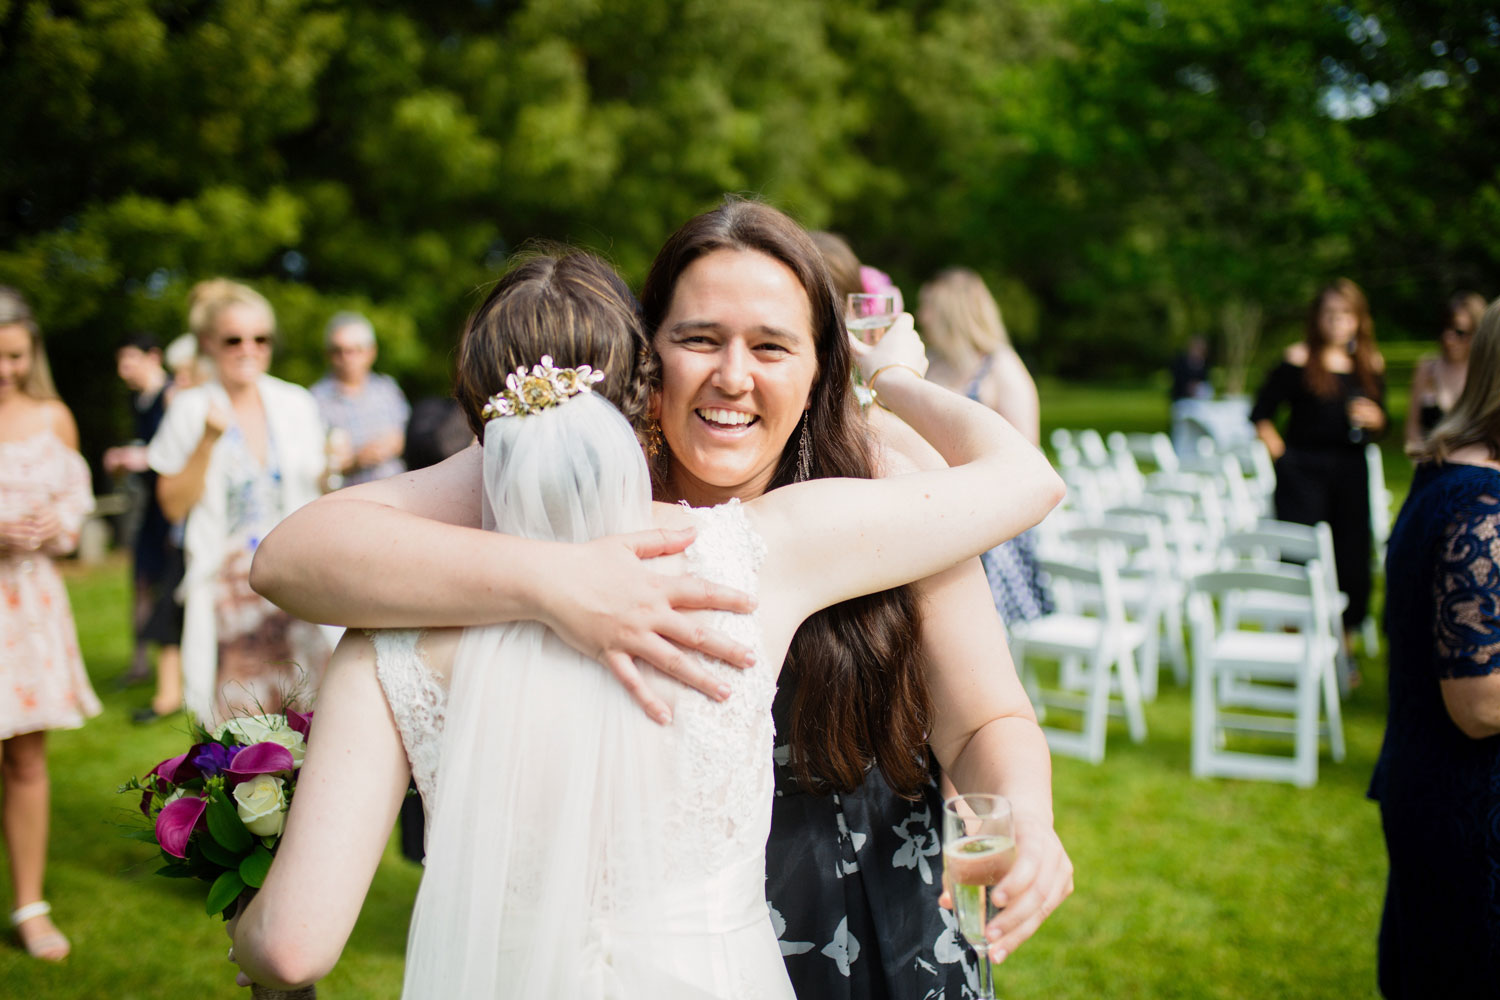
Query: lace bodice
{"x": 724, "y": 749}
{"x": 725, "y": 757}
{"x": 418, "y": 702}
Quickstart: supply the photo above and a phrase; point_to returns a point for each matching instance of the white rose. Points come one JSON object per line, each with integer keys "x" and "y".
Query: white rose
{"x": 250, "y": 729}
{"x": 261, "y": 804}
{"x": 289, "y": 738}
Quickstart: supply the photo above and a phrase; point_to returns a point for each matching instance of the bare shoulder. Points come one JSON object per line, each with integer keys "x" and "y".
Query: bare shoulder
{"x": 450, "y": 491}
{"x": 1295, "y": 354}
{"x": 1378, "y": 363}
{"x": 60, "y": 420}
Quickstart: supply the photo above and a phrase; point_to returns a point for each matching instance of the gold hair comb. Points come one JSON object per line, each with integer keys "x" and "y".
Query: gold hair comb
{"x": 542, "y": 388}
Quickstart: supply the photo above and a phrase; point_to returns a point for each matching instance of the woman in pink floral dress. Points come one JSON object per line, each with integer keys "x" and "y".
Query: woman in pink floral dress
{"x": 44, "y": 496}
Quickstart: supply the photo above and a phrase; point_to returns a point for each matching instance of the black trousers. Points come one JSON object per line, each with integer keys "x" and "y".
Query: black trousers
{"x": 1333, "y": 485}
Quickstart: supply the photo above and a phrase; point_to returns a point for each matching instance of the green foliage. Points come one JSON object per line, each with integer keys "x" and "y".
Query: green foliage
{"x": 1124, "y": 173}
{"x": 224, "y": 824}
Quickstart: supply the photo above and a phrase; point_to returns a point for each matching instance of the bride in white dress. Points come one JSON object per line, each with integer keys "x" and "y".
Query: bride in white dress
{"x": 575, "y": 848}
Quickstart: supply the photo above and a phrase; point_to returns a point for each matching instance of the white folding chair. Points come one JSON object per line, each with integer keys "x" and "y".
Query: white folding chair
{"x": 1102, "y": 645}
{"x": 1381, "y": 500}
{"x": 1150, "y": 594}
{"x": 1272, "y": 540}
{"x": 1287, "y": 678}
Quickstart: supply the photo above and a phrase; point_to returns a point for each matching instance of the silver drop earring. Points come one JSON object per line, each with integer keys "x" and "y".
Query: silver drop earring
{"x": 804, "y": 453}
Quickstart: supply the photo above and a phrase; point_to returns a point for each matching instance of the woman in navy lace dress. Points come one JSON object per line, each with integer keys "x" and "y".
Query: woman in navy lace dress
{"x": 1438, "y": 777}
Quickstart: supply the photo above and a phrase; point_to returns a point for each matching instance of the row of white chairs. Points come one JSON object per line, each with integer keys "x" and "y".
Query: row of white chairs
{"x": 1190, "y": 543}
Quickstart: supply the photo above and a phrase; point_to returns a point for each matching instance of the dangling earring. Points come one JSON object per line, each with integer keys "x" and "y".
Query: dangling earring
{"x": 804, "y": 453}
{"x": 653, "y": 439}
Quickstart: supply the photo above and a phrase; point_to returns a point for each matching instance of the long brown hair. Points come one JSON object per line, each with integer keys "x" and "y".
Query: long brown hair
{"x": 861, "y": 695}
{"x": 1475, "y": 418}
{"x": 16, "y": 311}
{"x": 566, "y": 303}
{"x": 1367, "y": 366}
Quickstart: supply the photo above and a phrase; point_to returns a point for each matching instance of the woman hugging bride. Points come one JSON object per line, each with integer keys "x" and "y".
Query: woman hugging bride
{"x": 576, "y": 848}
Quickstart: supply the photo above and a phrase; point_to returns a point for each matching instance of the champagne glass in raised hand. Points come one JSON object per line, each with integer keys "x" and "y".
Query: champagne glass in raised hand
{"x": 979, "y": 846}
{"x": 868, "y": 315}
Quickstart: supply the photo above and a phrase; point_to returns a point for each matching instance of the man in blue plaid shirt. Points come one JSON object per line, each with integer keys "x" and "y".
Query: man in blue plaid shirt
{"x": 366, "y": 408}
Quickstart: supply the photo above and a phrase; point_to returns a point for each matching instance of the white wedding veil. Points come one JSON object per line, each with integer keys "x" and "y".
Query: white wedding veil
{"x": 551, "y": 779}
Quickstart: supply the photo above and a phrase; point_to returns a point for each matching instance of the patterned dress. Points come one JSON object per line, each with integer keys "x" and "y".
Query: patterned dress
{"x": 1439, "y": 790}
{"x": 1010, "y": 567}
{"x": 266, "y": 657}
{"x": 43, "y": 684}
{"x": 853, "y": 883}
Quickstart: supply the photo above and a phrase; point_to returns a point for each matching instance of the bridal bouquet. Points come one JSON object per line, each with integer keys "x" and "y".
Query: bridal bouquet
{"x": 217, "y": 811}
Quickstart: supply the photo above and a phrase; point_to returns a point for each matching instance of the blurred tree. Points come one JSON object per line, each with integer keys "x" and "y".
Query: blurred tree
{"x": 1124, "y": 172}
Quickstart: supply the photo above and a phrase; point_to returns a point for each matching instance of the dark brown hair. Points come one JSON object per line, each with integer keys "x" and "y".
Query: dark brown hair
{"x": 861, "y": 696}
{"x": 566, "y": 303}
{"x": 1319, "y": 379}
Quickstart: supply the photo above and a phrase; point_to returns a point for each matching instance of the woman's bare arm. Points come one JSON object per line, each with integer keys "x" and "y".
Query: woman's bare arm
{"x": 408, "y": 552}
{"x": 984, "y": 731}
{"x": 348, "y": 794}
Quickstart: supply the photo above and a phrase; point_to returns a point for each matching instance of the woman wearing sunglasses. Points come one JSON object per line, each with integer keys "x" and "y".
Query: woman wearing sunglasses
{"x": 235, "y": 455}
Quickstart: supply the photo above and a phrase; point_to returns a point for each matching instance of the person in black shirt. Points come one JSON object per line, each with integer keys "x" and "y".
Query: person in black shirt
{"x": 1332, "y": 386}
{"x": 158, "y": 565}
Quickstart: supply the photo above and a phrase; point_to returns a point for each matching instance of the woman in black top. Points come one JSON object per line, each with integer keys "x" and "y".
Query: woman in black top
{"x": 1333, "y": 387}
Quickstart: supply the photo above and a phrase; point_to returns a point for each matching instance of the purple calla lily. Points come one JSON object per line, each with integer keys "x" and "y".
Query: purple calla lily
{"x": 175, "y": 769}
{"x": 259, "y": 758}
{"x": 299, "y": 722}
{"x": 175, "y": 824}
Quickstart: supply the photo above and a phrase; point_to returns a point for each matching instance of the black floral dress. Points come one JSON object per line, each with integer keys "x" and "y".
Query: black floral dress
{"x": 853, "y": 883}
{"x": 1439, "y": 790}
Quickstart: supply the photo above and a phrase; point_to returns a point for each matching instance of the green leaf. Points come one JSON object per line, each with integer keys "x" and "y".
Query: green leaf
{"x": 225, "y": 825}
{"x": 144, "y": 836}
{"x": 225, "y": 890}
{"x": 174, "y": 871}
{"x": 216, "y": 853}
{"x": 255, "y": 865}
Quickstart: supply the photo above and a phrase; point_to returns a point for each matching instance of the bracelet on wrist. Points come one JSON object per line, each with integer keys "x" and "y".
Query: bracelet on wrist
{"x": 870, "y": 382}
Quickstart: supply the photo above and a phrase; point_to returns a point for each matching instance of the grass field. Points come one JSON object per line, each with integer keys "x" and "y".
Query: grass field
{"x": 1185, "y": 888}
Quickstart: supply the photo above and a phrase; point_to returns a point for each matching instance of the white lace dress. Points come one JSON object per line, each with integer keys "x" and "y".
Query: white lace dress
{"x": 714, "y": 938}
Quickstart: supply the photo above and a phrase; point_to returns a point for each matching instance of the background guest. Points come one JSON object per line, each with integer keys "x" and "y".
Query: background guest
{"x": 1333, "y": 387}
{"x": 366, "y": 407}
{"x": 971, "y": 354}
{"x": 235, "y": 455}
{"x": 1438, "y": 379}
{"x": 1438, "y": 776}
{"x": 45, "y": 493}
{"x": 1189, "y": 370}
{"x": 157, "y": 558}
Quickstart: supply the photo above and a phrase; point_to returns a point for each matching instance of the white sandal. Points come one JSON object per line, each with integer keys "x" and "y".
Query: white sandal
{"x": 52, "y": 947}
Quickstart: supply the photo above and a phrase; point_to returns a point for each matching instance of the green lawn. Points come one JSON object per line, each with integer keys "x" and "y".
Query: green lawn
{"x": 1185, "y": 888}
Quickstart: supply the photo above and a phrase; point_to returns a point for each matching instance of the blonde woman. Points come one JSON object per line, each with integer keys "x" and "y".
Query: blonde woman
{"x": 1439, "y": 378}
{"x": 235, "y": 455}
{"x": 972, "y": 355}
{"x": 44, "y": 496}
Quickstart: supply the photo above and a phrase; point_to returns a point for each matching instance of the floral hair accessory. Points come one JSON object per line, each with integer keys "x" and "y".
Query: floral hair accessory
{"x": 542, "y": 388}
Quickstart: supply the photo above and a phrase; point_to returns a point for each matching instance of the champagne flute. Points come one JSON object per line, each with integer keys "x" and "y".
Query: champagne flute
{"x": 979, "y": 846}
{"x": 868, "y": 315}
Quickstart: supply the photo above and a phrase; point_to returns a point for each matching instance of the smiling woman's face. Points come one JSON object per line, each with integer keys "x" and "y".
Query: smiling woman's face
{"x": 738, "y": 362}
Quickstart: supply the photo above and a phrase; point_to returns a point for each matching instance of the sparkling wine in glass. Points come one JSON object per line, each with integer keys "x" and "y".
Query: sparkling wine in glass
{"x": 979, "y": 846}
{"x": 868, "y": 316}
